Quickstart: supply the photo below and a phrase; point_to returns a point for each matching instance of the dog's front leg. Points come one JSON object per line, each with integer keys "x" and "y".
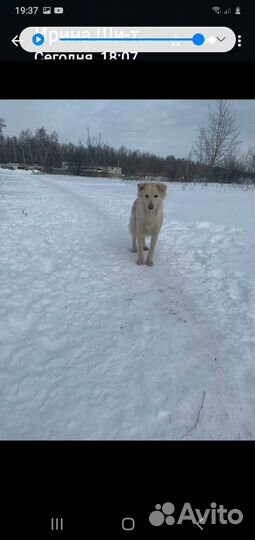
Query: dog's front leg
{"x": 140, "y": 238}
{"x": 154, "y": 239}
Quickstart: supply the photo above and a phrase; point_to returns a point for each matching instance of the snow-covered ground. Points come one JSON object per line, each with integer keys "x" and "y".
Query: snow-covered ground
{"x": 94, "y": 346}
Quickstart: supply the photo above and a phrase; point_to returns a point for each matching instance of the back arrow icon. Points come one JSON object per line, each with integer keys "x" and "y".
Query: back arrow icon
{"x": 15, "y": 41}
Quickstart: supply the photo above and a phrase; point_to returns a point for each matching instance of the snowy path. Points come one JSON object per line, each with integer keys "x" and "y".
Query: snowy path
{"x": 96, "y": 347}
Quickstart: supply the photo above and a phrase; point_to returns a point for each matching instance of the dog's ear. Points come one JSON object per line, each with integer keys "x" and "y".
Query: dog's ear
{"x": 140, "y": 188}
{"x": 162, "y": 188}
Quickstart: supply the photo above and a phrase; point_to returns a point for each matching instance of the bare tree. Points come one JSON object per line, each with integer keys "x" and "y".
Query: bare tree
{"x": 218, "y": 138}
{"x": 188, "y": 162}
{"x": 2, "y": 125}
{"x": 250, "y": 160}
{"x": 232, "y": 168}
{"x": 94, "y": 141}
{"x": 25, "y": 141}
{"x": 94, "y": 145}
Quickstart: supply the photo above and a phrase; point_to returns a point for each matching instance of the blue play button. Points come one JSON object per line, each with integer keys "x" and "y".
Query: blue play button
{"x": 38, "y": 39}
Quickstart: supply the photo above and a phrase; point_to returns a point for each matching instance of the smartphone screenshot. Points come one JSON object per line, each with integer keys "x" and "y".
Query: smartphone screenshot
{"x": 127, "y": 169}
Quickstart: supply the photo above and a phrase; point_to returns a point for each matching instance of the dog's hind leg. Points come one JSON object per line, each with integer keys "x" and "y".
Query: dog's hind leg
{"x": 145, "y": 248}
{"x": 132, "y": 230}
{"x": 134, "y": 248}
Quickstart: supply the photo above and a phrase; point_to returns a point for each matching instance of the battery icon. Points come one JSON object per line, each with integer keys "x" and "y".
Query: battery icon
{"x": 58, "y": 10}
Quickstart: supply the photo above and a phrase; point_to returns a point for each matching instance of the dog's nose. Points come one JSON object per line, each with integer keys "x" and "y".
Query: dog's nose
{"x": 150, "y": 206}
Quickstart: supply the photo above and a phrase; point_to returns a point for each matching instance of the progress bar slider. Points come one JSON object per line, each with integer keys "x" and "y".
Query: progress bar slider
{"x": 127, "y": 39}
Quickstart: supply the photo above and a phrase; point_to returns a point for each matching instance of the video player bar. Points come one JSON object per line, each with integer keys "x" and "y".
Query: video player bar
{"x": 127, "y": 39}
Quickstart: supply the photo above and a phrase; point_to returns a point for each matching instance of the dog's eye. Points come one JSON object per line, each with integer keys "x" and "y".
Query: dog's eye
{"x": 155, "y": 196}
{"x": 147, "y": 196}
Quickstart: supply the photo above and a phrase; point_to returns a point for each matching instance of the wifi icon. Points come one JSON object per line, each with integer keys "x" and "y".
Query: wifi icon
{"x": 216, "y": 9}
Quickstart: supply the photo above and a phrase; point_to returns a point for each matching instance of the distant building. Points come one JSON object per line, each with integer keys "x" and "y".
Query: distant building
{"x": 104, "y": 171}
{"x": 65, "y": 165}
{"x": 69, "y": 167}
{"x": 114, "y": 171}
{"x": 150, "y": 177}
{"x": 10, "y": 166}
{"x": 13, "y": 166}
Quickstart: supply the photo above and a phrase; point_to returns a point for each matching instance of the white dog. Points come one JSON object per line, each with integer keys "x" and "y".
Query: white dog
{"x": 147, "y": 218}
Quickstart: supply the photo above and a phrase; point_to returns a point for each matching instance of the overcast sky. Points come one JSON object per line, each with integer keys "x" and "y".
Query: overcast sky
{"x": 163, "y": 127}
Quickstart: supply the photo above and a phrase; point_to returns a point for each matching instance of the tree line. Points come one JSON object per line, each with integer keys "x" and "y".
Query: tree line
{"x": 214, "y": 155}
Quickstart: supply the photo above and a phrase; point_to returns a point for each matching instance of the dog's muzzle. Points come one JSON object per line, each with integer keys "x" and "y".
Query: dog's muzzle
{"x": 150, "y": 206}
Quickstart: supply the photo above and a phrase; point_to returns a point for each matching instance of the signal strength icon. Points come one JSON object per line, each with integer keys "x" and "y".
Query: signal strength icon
{"x": 216, "y": 10}
{"x": 227, "y": 11}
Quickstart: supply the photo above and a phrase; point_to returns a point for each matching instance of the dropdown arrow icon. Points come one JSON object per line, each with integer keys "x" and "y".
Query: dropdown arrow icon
{"x": 221, "y": 39}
